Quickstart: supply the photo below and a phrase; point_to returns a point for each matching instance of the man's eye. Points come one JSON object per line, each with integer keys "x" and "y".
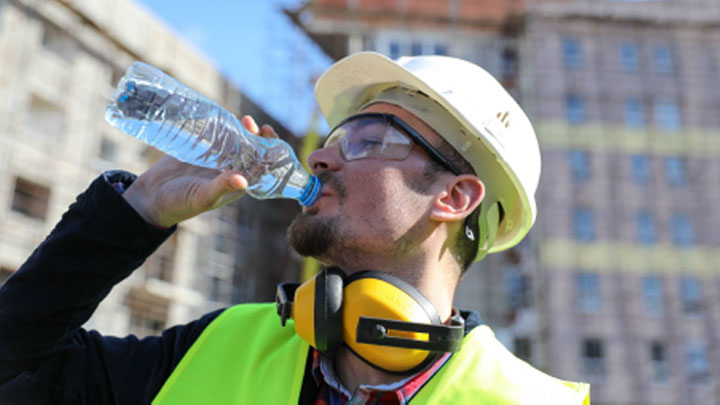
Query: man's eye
{"x": 370, "y": 142}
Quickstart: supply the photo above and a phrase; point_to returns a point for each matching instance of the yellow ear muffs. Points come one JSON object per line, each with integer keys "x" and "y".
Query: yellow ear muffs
{"x": 316, "y": 309}
{"x": 385, "y": 321}
{"x": 391, "y": 325}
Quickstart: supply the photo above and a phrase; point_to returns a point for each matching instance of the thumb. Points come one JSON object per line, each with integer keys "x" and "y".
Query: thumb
{"x": 222, "y": 185}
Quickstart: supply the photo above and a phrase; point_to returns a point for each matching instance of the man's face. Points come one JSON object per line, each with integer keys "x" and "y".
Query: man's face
{"x": 370, "y": 209}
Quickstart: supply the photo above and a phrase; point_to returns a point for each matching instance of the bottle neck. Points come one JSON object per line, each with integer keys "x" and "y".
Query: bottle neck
{"x": 311, "y": 192}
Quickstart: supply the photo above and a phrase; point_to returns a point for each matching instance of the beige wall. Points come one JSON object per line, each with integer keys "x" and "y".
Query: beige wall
{"x": 88, "y": 43}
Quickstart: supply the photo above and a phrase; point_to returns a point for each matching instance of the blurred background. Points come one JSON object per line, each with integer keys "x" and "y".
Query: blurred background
{"x": 618, "y": 282}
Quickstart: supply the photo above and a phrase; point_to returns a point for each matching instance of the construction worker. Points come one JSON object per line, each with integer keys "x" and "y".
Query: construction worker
{"x": 430, "y": 166}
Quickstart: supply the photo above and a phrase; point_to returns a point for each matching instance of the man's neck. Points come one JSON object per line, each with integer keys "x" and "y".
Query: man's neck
{"x": 353, "y": 372}
{"x": 434, "y": 274}
{"x": 435, "y": 279}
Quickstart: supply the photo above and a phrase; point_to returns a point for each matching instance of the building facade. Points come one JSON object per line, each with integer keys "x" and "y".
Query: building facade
{"x": 59, "y": 63}
{"x": 625, "y": 102}
{"x": 616, "y": 284}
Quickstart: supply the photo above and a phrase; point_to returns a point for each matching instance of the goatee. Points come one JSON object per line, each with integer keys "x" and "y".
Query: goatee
{"x": 312, "y": 236}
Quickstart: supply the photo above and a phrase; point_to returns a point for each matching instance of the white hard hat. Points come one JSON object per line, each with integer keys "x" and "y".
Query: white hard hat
{"x": 493, "y": 133}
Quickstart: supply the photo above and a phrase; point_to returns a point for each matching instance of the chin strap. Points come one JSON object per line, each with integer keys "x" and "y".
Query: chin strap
{"x": 488, "y": 222}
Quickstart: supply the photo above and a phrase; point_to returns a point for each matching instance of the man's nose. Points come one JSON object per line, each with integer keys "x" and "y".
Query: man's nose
{"x": 326, "y": 158}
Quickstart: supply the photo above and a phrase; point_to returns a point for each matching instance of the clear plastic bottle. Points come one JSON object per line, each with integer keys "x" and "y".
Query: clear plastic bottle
{"x": 154, "y": 107}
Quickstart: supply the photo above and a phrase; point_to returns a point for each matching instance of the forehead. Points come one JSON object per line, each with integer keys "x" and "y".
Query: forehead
{"x": 409, "y": 118}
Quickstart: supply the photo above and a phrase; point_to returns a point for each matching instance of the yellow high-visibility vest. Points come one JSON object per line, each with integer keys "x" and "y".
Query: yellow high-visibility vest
{"x": 246, "y": 357}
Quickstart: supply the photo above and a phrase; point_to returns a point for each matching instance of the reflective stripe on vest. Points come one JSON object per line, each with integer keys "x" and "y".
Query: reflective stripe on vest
{"x": 245, "y": 357}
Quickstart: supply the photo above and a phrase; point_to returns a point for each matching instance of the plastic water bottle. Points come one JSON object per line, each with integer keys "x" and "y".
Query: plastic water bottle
{"x": 154, "y": 107}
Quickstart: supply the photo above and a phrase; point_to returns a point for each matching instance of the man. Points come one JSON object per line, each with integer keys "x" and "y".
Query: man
{"x": 431, "y": 165}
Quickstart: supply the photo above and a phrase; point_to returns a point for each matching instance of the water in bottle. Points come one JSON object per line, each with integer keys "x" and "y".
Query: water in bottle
{"x": 156, "y": 108}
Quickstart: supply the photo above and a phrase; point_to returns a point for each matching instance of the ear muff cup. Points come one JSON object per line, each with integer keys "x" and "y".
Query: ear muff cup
{"x": 380, "y": 295}
{"x": 317, "y": 310}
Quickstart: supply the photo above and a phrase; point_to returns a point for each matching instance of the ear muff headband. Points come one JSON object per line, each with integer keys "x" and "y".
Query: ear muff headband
{"x": 328, "y": 310}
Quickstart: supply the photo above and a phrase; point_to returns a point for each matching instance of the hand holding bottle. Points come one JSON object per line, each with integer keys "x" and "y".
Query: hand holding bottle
{"x": 172, "y": 191}
{"x": 154, "y": 107}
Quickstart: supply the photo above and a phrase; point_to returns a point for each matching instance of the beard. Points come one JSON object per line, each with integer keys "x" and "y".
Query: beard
{"x": 311, "y": 236}
{"x": 314, "y": 237}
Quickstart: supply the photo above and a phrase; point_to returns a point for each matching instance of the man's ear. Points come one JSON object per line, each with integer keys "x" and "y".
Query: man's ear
{"x": 458, "y": 199}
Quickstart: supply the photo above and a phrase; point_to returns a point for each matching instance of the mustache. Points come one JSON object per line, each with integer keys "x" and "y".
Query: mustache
{"x": 331, "y": 179}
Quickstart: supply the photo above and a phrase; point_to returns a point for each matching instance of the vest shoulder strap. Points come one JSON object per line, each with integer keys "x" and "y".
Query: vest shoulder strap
{"x": 485, "y": 372}
{"x": 244, "y": 356}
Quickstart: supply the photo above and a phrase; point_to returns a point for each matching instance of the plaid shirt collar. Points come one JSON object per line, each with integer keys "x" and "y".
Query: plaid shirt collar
{"x": 332, "y": 392}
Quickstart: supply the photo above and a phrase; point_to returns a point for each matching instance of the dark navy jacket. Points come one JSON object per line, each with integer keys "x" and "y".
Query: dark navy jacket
{"x": 45, "y": 355}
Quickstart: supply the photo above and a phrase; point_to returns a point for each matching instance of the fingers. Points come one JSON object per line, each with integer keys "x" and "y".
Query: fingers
{"x": 266, "y": 131}
{"x": 226, "y": 187}
{"x": 228, "y": 182}
{"x": 249, "y": 123}
{"x": 235, "y": 181}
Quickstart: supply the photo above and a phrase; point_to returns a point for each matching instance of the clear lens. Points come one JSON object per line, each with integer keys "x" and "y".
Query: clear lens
{"x": 370, "y": 137}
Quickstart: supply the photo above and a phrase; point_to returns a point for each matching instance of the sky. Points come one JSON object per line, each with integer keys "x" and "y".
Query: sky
{"x": 257, "y": 47}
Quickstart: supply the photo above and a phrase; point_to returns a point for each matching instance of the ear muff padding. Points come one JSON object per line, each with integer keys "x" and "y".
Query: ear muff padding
{"x": 328, "y": 310}
{"x": 380, "y": 295}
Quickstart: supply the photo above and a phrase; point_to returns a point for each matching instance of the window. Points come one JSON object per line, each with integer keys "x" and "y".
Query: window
{"x": 394, "y": 50}
{"x": 682, "y": 230}
{"x": 575, "y": 109}
{"x": 144, "y": 324}
{"x": 45, "y": 118}
{"x": 220, "y": 290}
{"x": 58, "y": 42}
{"x": 675, "y": 170}
{"x": 593, "y": 357}
{"x": 645, "y": 228}
{"x": 584, "y": 225}
{"x": 667, "y": 114}
{"x": 108, "y": 150}
{"x": 629, "y": 61}
{"x": 368, "y": 43}
{"x": 519, "y": 291}
{"x": 5, "y": 272}
{"x": 640, "y": 166}
{"x": 696, "y": 363}
{"x": 634, "y": 113}
{"x": 662, "y": 59}
{"x": 690, "y": 295}
{"x": 653, "y": 295}
{"x": 579, "y": 165}
{"x": 148, "y": 312}
{"x": 587, "y": 292}
{"x": 659, "y": 359}
{"x": 416, "y": 48}
{"x": 441, "y": 49}
{"x": 572, "y": 54}
{"x": 522, "y": 347}
{"x": 509, "y": 65}
{"x": 161, "y": 264}
{"x": 30, "y": 199}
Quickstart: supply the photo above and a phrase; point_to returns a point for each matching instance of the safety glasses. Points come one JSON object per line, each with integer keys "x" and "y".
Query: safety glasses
{"x": 381, "y": 136}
